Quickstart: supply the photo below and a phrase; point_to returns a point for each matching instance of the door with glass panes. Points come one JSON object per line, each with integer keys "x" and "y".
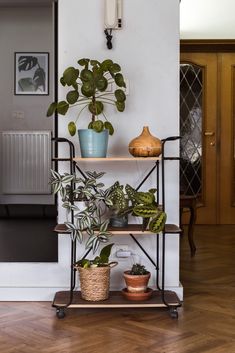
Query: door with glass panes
{"x": 207, "y": 111}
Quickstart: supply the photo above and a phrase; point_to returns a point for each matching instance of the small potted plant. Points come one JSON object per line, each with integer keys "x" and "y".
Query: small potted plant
{"x": 137, "y": 283}
{"x": 120, "y": 201}
{"x": 95, "y": 275}
{"x": 89, "y": 85}
{"x": 126, "y": 200}
{"x": 90, "y": 222}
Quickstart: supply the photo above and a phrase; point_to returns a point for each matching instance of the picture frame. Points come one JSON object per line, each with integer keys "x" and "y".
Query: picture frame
{"x": 31, "y": 73}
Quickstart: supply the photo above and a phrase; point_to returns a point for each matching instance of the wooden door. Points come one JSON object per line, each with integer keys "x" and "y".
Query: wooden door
{"x": 200, "y": 166}
{"x": 226, "y": 92}
{"x": 217, "y": 157}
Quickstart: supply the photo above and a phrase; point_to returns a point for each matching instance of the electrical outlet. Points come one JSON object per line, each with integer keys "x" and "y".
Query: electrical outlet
{"x": 121, "y": 247}
{"x": 18, "y": 115}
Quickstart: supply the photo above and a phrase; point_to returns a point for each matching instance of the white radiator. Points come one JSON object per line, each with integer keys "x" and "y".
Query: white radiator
{"x": 26, "y": 162}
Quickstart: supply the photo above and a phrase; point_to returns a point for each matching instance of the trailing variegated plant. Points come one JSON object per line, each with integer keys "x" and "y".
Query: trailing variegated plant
{"x": 90, "y": 88}
{"x": 91, "y": 219}
{"x": 141, "y": 204}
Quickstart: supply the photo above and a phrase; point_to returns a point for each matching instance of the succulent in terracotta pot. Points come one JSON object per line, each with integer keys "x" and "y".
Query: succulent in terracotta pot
{"x": 137, "y": 278}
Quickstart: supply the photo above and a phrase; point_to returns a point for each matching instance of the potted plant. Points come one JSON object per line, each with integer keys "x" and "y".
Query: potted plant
{"x": 95, "y": 275}
{"x": 89, "y": 85}
{"x": 120, "y": 201}
{"x": 137, "y": 283}
{"x": 89, "y": 219}
{"x": 126, "y": 200}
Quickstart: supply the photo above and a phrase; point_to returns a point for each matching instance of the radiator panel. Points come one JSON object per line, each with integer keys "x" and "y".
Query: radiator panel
{"x": 26, "y": 162}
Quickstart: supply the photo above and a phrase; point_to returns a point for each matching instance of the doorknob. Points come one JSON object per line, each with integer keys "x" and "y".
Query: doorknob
{"x": 212, "y": 143}
{"x": 209, "y": 133}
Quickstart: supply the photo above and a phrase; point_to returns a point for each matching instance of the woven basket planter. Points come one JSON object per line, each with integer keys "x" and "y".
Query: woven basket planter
{"x": 94, "y": 282}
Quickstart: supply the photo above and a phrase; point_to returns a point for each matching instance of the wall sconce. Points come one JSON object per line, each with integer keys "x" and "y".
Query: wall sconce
{"x": 112, "y": 18}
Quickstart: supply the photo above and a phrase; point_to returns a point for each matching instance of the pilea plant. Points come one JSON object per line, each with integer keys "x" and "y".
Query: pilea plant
{"x": 90, "y": 219}
{"x": 126, "y": 200}
{"x": 89, "y": 85}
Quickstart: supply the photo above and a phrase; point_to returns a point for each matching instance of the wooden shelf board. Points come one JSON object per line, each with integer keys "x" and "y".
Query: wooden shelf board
{"x": 130, "y": 229}
{"x": 116, "y": 300}
{"x": 116, "y": 159}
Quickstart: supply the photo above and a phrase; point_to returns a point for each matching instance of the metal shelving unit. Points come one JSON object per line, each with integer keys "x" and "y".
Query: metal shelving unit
{"x": 161, "y": 298}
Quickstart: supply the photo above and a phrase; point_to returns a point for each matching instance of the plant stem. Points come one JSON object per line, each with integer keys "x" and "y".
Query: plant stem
{"x": 80, "y": 113}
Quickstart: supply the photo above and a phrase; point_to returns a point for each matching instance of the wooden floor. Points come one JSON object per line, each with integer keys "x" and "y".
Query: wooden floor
{"x": 206, "y": 321}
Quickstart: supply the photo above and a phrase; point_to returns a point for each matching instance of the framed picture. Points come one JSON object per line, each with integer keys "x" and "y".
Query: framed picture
{"x": 31, "y": 73}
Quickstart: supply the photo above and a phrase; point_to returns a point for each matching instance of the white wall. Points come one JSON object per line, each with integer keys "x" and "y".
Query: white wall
{"x": 147, "y": 49}
{"x": 210, "y": 19}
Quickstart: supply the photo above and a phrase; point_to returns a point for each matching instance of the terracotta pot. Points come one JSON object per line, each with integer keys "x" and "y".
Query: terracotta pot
{"x": 139, "y": 296}
{"x": 145, "y": 145}
{"x": 136, "y": 283}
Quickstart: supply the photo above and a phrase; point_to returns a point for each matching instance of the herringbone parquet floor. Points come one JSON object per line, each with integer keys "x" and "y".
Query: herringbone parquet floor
{"x": 206, "y": 322}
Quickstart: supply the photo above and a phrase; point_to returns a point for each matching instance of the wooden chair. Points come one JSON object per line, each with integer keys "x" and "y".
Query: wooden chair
{"x": 189, "y": 202}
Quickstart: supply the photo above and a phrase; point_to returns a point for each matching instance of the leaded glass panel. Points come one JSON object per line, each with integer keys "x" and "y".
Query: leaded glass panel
{"x": 191, "y": 92}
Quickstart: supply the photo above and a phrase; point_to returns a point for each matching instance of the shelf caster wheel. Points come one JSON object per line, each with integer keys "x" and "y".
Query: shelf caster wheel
{"x": 174, "y": 313}
{"x": 60, "y": 313}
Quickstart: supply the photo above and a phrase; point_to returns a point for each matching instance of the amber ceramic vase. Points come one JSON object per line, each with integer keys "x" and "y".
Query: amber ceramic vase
{"x": 145, "y": 145}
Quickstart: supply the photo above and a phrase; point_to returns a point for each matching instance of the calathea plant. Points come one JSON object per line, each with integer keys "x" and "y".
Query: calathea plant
{"x": 90, "y": 219}
{"x": 126, "y": 200}
{"x": 89, "y": 88}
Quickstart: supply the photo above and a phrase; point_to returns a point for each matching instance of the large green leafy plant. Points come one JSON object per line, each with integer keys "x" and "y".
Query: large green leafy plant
{"x": 89, "y": 86}
{"x": 90, "y": 223}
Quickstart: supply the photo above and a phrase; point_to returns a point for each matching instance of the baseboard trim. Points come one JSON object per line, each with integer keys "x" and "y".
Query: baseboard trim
{"x": 47, "y": 293}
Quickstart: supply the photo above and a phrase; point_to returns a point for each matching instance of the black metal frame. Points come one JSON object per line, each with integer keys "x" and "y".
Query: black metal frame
{"x": 160, "y": 287}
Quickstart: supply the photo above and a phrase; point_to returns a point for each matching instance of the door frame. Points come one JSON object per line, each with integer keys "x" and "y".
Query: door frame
{"x": 210, "y": 46}
{"x": 207, "y": 45}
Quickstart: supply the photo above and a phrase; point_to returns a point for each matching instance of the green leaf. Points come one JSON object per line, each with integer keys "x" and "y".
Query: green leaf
{"x": 55, "y": 174}
{"x": 114, "y": 68}
{"x": 88, "y": 89}
{"x": 106, "y": 64}
{"x": 90, "y": 125}
{"x": 98, "y": 125}
{"x": 109, "y": 126}
{"x": 120, "y": 106}
{"x": 83, "y": 62}
{"x": 52, "y": 108}
{"x": 119, "y": 80}
{"x": 70, "y": 75}
{"x": 86, "y": 75}
{"x": 62, "y": 107}
{"x": 94, "y": 62}
{"x": 67, "y": 178}
{"x": 72, "y": 97}
{"x": 101, "y": 83}
{"x": 72, "y": 128}
{"x": 120, "y": 95}
{"x": 62, "y": 81}
{"x": 105, "y": 253}
{"x": 96, "y": 107}
{"x": 104, "y": 226}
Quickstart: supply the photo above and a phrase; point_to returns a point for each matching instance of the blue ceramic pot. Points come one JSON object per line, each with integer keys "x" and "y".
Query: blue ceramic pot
{"x": 93, "y": 144}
